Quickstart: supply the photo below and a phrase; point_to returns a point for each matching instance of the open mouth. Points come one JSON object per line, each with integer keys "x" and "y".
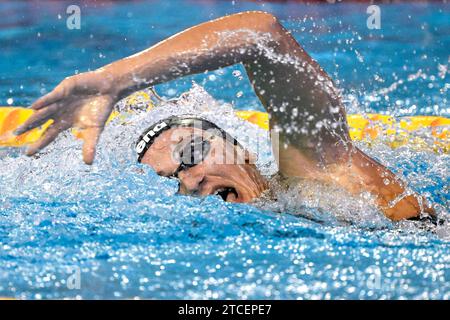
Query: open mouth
{"x": 227, "y": 194}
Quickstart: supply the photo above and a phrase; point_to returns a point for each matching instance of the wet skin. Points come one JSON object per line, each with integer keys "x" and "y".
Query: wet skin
{"x": 226, "y": 170}
{"x": 299, "y": 96}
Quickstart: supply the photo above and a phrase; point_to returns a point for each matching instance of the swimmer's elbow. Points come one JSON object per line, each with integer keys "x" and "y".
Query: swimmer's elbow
{"x": 265, "y": 21}
{"x": 259, "y": 15}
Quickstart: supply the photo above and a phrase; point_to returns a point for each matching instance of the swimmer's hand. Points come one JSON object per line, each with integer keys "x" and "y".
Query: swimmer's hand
{"x": 83, "y": 102}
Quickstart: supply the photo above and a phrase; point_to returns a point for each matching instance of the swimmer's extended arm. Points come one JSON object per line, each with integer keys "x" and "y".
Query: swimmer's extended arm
{"x": 300, "y": 97}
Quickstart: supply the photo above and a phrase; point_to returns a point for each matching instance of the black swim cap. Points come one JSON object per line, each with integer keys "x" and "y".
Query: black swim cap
{"x": 148, "y": 137}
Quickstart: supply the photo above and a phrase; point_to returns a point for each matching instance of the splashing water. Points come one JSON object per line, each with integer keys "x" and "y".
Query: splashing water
{"x": 130, "y": 235}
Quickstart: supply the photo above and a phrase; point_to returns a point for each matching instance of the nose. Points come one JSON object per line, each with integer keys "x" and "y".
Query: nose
{"x": 191, "y": 180}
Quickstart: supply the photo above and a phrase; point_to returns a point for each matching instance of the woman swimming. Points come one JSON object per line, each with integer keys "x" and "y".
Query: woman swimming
{"x": 304, "y": 107}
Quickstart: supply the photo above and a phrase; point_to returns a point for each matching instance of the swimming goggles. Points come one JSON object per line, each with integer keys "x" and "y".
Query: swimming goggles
{"x": 191, "y": 153}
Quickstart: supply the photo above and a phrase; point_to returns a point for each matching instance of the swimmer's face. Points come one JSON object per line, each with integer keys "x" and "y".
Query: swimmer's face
{"x": 205, "y": 164}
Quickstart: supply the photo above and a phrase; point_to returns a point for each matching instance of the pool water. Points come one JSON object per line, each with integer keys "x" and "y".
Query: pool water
{"x": 117, "y": 230}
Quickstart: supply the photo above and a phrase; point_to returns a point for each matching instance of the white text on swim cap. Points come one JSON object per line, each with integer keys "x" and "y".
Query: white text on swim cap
{"x": 141, "y": 145}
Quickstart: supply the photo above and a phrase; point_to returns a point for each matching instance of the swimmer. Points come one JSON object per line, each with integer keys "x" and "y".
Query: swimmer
{"x": 301, "y": 99}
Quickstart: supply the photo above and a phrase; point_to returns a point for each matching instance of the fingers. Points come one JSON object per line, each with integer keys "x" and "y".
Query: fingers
{"x": 37, "y": 119}
{"x": 90, "y": 137}
{"x": 54, "y": 96}
{"x": 50, "y": 134}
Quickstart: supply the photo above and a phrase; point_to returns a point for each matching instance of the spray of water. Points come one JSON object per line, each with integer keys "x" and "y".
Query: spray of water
{"x": 58, "y": 172}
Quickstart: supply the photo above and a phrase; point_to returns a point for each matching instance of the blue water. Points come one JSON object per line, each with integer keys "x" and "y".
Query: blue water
{"x": 123, "y": 232}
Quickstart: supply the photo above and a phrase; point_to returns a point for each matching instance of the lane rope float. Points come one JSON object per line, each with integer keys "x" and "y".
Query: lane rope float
{"x": 424, "y": 132}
